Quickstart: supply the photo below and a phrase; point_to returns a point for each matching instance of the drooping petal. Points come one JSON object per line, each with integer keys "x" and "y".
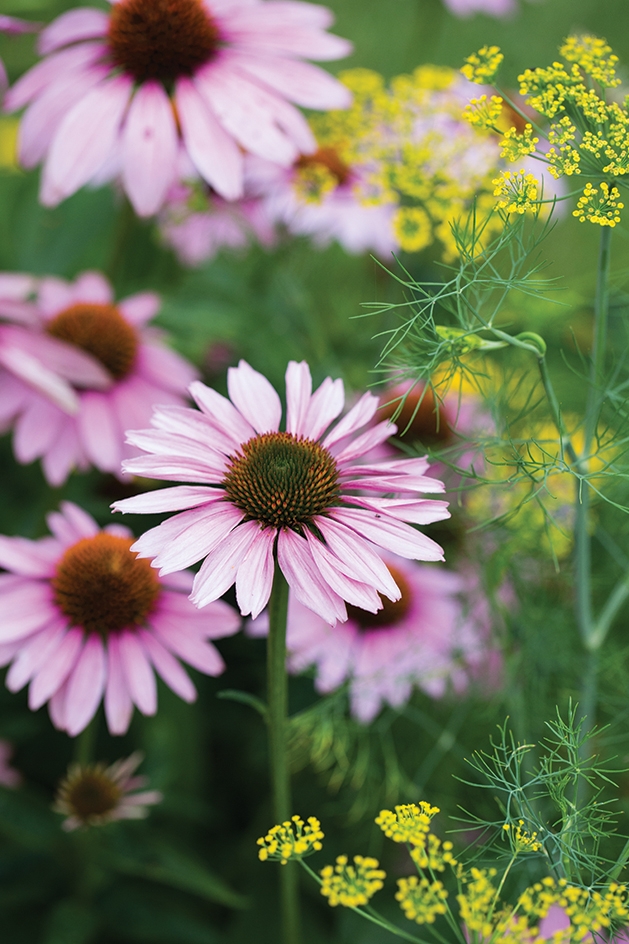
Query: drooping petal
{"x": 300, "y": 82}
{"x": 118, "y": 704}
{"x": 177, "y": 498}
{"x": 56, "y": 669}
{"x": 358, "y": 416}
{"x": 254, "y": 578}
{"x": 206, "y": 530}
{"x": 168, "y": 667}
{"x": 394, "y": 536}
{"x": 305, "y": 580}
{"x": 138, "y": 673}
{"x": 219, "y": 569}
{"x": 364, "y": 563}
{"x": 33, "y": 655}
{"x": 71, "y": 27}
{"x": 29, "y": 558}
{"x": 99, "y": 433}
{"x": 352, "y": 591}
{"x": 149, "y": 148}
{"x": 85, "y": 685}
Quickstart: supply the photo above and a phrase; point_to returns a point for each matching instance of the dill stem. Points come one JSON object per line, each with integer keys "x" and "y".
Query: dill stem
{"x": 277, "y": 697}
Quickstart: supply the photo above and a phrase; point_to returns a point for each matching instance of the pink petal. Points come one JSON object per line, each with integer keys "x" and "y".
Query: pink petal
{"x": 298, "y": 392}
{"x": 16, "y": 286}
{"x": 44, "y": 381}
{"x": 99, "y": 434}
{"x": 118, "y": 704}
{"x": 366, "y": 441}
{"x": 213, "y": 152}
{"x": 173, "y": 470}
{"x": 33, "y": 655}
{"x": 14, "y": 26}
{"x": 140, "y": 308}
{"x": 208, "y": 528}
{"x": 254, "y": 397}
{"x": 218, "y": 571}
{"x": 215, "y": 621}
{"x": 202, "y": 656}
{"x": 193, "y": 425}
{"x": 85, "y": 139}
{"x": 138, "y": 673}
{"x": 166, "y": 368}
{"x": 149, "y": 148}
{"x": 56, "y": 670}
{"x": 423, "y": 511}
{"x": 386, "y": 532}
{"x": 26, "y": 608}
{"x": 85, "y": 686}
{"x": 278, "y": 13}
{"x": 66, "y": 360}
{"x": 92, "y": 287}
{"x": 46, "y": 72}
{"x": 168, "y": 667}
{"x": 358, "y": 416}
{"x": 325, "y": 405}
{"x": 63, "y": 455}
{"x": 177, "y": 498}
{"x": 300, "y": 82}
{"x": 254, "y": 578}
{"x": 305, "y": 580}
{"x": 264, "y": 34}
{"x": 71, "y": 27}
{"x": 36, "y": 430}
{"x": 353, "y": 591}
{"x": 29, "y": 558}
{"x": 57, "y": 712}
{"x": 358, "y": 556}
{"x": 222, "y": 412}
{"x": 163, "y": 443}
{"x": 81, "y": 523}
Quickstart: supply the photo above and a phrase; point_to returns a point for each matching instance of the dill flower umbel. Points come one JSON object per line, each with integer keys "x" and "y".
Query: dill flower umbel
{"x": 92, "y": 794}
{"x": 409, "y": 823}
{"x": 420, "y": 899}
{"x": 292, "y": 839}
{"x": 590, "y": 911}
{"x": 521, "y": 839}
{"x": 351, "y": 885}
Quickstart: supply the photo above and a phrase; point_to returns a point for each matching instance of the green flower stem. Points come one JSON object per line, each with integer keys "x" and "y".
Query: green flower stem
{"x": 277, "y": 697}
{"x": 86, "y": 742}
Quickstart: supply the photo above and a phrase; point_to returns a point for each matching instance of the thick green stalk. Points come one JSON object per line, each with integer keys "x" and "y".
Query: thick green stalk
{"x": 277, "y": 697}
{"x": 85, "y": 743}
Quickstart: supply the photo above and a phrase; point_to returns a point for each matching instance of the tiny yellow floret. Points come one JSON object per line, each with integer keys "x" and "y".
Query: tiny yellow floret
{"x": 292, "y": 839}
{"x": 409, "y": 823}
{"x": 521, "y": 839}
{"x": 420, "y": 899}
{"x": 351, "y": 885}
{"x": 482, "y": 66}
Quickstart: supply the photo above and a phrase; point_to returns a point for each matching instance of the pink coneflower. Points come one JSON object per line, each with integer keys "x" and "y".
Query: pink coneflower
{"x": 9, "y": 777}
{"x": 197, "y": 223}
{"x": 299, "y": 495}
{"x": 128, "y": 370}
{"x": 92, "y": 794}
{"x": 422, "y": 640}
{"x": 467, "y": 8}
{"x": 123, "y": 90}
{"x": 83, "y": 618}
{"x": 13, "y": 27}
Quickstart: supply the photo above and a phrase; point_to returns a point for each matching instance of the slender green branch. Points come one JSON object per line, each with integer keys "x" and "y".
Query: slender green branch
{"x": 277, "y": 696}
{"x": 609, "y": 612}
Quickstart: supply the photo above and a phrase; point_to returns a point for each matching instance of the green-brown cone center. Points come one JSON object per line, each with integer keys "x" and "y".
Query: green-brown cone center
{"x": 102, "y": 586}
{"x": 90, "y": 792}
{"x": 99, "y": 330}
{"x": 161, "y": 39}
{"x": 391, "y": 613}
{"x": 281, "y": 480}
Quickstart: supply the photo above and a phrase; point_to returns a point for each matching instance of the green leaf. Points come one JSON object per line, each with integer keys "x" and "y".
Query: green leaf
{"x": 245, "y": 698}
{"x": 71, "y": 922}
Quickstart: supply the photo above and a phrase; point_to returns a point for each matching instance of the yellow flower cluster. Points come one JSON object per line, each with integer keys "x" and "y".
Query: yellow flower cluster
{"x": 482, "y": 66}
{"x": 592, "y": 56}
{"x": 600, "y": 205}
{"x": 429, "y": 178}
{"x": 409, "y": 823}
{"x": 517, "y": 191}
{"x": 293, "y": 839}
{"x": 589, "y": 910}
{"x": 421, "y": 900}
{"x": 351, "y": 885}
{"x": 433, "y": 854}
{"x": 484, "y": 113}
{"x": 521, "y": 839}
{"x": 515, "y": 146}
{"x": 477, "y": 900}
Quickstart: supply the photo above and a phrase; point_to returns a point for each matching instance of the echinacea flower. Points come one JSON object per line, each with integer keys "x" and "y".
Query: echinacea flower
{"x": 297, "y": 495}
{"x": 13, "y": 27}
{"x": 92, "y": 794}
{"x": 496, "y": 8}
{"x": 9, "y": 777}
{"x": 120, "y": 92}
{"x": 117, "y": 365}
{"x": 83, "y": 618}
{"x": 425, "y": 640}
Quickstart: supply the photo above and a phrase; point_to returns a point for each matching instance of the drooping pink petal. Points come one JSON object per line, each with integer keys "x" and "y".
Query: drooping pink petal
{"x": 365, "y": 563}
{"x": 352, "y": 591}
{"x": 63, "y": 456}
{"x": 177, "y": 498}
{"x": 85, "y": 685}
{"x": 85, "y": 139}
{"x": 26, "y": 608}
{"x": 207, "y": 529}
{"x": 423, "y": 511}
{"x": 300, "y": 82}
{"x": 165, "y": 367}
{"x": 33, "y": 655}
{"x": 168, "y": 667}
{"x": 99, "y": 433}
{"x": 254, "y": 578}
{"x": 200, "y": 655}
{"x": 213, "y": 152}
{"x": 41, "y": 76}
{"x": 358, "y": 416}
{"x": 118, "y": 704}
{"x": 194, "y": 425}
{"x": 56, "y": 669}
{"x": 394, "y": 536}
{"x": 366, "y": 441}
{"x": 163, "y": 443}
{"x": 140, "y": 308}
{"x": 254, "y": 397}
{"x": 36, "y": 430}
{"x": 265, "y": 34}
{"x": 305, "y": 580}
{"x": 70, "y": 27}
{"x": 298, "y": 392}
{"x": 149, "y": 148}
{"x": 44, "y": 381}
{"x": 29, "y": 558}
{"x": 173, "y": 470}
{"x": 219, "y": 569}
{"x": 138, "y": 673}
{"x": 68, "y": 361}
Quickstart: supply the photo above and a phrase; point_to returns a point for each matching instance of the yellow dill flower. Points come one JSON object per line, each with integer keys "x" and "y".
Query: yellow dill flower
{"x": 521, "y": 839}
{"x": 517, "y": 191}
{"x": 8, "y": 143}
{"x": 477, "y": 900}
{"x": 412, "y": 228}
{"x": 600, "y": 205}
{"x": 421, "y": 900}
{"x": 433, "y": 855}
{"x": 590, "y": 910}
{"x": 515, "y": 146}
{"x": 484, "y": 113}
{"x": 351, "y": 885}
{"x": 293, "y": 839}
{"x": 409, "y": 823}
{"x": 481, "y": 67}
{"x": 591, "y": 54}
{"x": 547, "y": 89}
{"x": 433, "y": 78}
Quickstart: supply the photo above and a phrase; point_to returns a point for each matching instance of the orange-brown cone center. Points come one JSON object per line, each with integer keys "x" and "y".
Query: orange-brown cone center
{"x": 101, "y": 331}
{"x": 161, "y": 39}
{"x": 391, "y": 613}
{"x": 102, "y": 586}
{"x": 88, "y": 792}
{"x": 329, "y": 158}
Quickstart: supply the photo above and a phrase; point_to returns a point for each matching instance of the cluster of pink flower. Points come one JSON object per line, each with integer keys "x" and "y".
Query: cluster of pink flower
{"x": 90, "y": 616}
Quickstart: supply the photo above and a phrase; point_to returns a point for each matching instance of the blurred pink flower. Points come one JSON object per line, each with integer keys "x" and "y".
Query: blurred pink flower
{"x": 119, "y": 91}
{"x": 339, "y": 215}
{"x": 13, "y": 27}
{"x": 426, "y": 639}
{"x": 93, "y": 795}
{"x": 118, "y": 368}
{"x": 197, "y": 223}
{"x": 298, "y": 494}
{"x": 83, "y": 618}
{"x": 490, "y": 7}
{"x": 9, "y": 777}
